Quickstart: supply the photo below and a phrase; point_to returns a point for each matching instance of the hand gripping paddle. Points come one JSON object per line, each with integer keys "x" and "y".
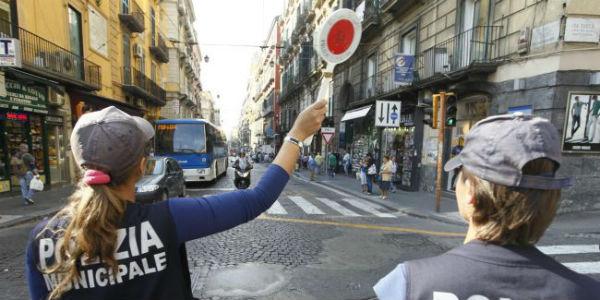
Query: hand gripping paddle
{"x": 335, "y": 41}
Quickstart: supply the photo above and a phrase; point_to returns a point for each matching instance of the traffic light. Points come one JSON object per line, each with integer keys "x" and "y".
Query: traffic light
{"x": 451, "y": 111}
{"x": 432, "y": 112}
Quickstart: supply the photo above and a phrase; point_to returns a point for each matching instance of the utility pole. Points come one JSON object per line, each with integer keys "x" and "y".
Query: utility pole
{"x": 441, "y": 97}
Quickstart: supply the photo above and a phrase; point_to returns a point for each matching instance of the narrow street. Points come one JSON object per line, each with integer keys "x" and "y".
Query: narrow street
{"x": 317, "y": 242}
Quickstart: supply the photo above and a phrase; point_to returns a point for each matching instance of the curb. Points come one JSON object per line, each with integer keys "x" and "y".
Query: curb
{"x": 31, "y": 217}
{"x": 409, "y": 212}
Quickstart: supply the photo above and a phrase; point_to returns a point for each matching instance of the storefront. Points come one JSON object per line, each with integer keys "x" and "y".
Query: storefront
{"x": 403, "y": 144}
{"x": 57, "y": 155}
{"x": 23, "y": 108}
{"x": 358, "y": 133}
{"x": 83, "y": 102}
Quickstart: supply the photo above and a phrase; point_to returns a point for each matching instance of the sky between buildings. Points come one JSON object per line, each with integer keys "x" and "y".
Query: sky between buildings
{"x": 220, "y": 24}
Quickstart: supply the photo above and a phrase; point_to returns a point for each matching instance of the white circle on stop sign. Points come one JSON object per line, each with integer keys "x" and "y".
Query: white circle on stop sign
{"x": 338, "y": 37}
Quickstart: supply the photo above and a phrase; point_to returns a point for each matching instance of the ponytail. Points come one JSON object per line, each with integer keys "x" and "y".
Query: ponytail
{"x": 92, "y": 216}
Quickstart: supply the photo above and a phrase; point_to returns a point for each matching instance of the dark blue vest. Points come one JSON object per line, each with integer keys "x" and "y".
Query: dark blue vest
{"x": 496, "y": 273}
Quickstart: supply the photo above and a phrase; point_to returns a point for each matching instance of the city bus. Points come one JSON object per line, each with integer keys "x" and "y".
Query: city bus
{"x": 199, "y": 146}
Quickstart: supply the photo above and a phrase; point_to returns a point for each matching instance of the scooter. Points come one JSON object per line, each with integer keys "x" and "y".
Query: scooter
{"x": 242, "y": 178}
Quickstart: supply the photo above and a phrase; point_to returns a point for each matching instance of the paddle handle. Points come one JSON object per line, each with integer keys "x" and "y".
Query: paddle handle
{"x": 323, "y": 89}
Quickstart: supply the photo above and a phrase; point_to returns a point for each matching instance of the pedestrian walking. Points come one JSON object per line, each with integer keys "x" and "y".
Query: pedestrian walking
{"x": 104, "y": 245}
{"x": 347, "y": 160}
{"x": 312, "y": 166}
{"x": 305, "y": 161}
{"x": 509, "y": 195}
{"x": 386, "y": 177}
{"x": 394, "y": 174}
{"x": 363, "y": 175}
{"x": 319, "y": 161}
{"x": 23, "y": 166}
{"x": 332, "y": 160}
{"x": 371, "y": 173}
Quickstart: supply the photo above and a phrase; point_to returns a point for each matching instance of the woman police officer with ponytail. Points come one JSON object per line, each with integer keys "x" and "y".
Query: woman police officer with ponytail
{"x": 104, "y": 245}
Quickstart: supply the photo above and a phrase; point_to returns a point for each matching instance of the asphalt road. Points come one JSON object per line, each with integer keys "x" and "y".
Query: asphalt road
{"x": 317, "y": 244}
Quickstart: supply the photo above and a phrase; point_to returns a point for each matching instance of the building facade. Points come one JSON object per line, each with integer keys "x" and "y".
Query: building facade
{"x": 494, "y": 57}
{"x": 76, "y": 57}
{"x": 183, "y": 70}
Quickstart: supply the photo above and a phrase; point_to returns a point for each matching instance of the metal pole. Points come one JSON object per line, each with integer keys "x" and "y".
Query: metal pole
{"x": 440, "y": 158}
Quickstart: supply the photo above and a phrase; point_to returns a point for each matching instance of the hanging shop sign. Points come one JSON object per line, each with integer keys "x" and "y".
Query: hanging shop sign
{"x": 387, "y": 113}
{"x": 24, "y": 97}
{"x": 10, "y": 52}
{"x": 404, "y": 69}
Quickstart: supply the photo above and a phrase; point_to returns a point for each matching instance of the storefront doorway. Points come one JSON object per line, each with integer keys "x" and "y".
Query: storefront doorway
{"x": 57, "y": 163}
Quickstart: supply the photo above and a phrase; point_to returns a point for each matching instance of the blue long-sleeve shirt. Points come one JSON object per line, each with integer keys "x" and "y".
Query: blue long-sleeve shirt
{"x": 172, "y": 223}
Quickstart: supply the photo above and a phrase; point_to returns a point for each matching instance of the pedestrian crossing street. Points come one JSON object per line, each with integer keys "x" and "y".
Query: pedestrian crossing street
{"x": 564, "y": 253}
{"x": 345, "y": 206}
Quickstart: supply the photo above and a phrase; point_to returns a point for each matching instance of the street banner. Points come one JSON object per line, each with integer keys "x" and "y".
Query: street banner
{"x": 582, "y": 123}
{"x": 387, "y": 113}
{"x": 404, "y": 69}
{"x": 327, "y": 133}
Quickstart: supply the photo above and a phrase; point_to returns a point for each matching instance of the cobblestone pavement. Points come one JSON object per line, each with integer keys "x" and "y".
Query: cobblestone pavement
{"x": 339, "y": 253}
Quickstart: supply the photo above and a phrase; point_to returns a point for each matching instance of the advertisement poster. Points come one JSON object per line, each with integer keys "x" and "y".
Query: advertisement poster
{"x": 582, "y": 129}
{"x": 404, "y": 69}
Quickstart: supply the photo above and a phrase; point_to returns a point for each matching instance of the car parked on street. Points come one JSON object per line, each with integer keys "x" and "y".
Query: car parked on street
{"x": 163, "y": 179}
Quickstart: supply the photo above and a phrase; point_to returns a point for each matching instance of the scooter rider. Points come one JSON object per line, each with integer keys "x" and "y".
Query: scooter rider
{"x": 243, "y": 162}
{"x": 104, "y": 245}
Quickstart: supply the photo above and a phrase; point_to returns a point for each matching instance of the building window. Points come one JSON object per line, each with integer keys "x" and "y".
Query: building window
{"x": 370, "y": 80}
{"x": 409, "y": 42}
{"x": 125, "y": 6}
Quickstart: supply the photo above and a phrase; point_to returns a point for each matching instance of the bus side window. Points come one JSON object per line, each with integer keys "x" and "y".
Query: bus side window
{"x": 210, "y": 137}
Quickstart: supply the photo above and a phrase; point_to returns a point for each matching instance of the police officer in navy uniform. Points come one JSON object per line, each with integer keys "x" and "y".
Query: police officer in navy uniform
{"x": 104, "y": 245}
{"x": 508, "y": 192}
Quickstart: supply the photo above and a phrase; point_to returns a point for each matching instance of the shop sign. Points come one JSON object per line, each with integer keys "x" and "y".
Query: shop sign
{"x": 24, "y": 97}
{"x": 327, "y": 133}
{"x": 54, "y": 119}
{"x": 407, "y": 119}
{"x": 582, "y": 30}
{"x": 387, "y": 113}
{"x": 404, "y": 69}
{"x": 581, "y": 131}
{"x": 544, "y": 35}
{"x": 10, "y": 53}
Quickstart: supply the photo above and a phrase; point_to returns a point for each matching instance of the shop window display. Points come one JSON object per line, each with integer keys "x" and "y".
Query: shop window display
{"x": 400, "y": 143}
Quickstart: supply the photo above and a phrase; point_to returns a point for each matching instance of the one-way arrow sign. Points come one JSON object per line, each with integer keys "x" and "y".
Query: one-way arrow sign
{"x": 387, "y": 113}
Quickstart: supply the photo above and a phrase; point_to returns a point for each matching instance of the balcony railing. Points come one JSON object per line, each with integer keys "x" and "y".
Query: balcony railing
{"x": 475, "y": 47}
{"x": 133, "y": 17}
{"x": 371, "y": 17}
{"x": 45, "y": 58}
{"x": 159, "y": 48}
{"x": 396, "y": 6}
{"x": 136, "y": 83}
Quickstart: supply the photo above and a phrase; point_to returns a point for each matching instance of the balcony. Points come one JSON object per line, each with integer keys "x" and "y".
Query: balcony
{"x": 47, "y": 59}
{"x": 159, "y": 49}
{"x": 137, "y": 84}
{"x": 476, "y": 50}
{"x": 397, "y": 6}
{"x": 133, "y": 17}
{"x": 371, "y": 18}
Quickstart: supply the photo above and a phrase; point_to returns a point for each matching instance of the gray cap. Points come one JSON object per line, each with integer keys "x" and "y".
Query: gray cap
{"x": 497, "y": 148}
{"x": 110, "y": 139}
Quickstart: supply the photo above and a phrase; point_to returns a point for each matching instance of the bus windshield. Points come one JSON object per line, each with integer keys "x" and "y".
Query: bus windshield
{"x": 180, "y": 139}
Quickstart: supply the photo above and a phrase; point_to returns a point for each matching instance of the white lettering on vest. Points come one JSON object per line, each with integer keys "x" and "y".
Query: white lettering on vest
{"x": 121, "y": 235}
{"x": 133, "y": 247}
{"x": 147, "y": 269}
{"x": 134, "y": 270}
{"x": 46, "y": 247}
{"x": 149, "y": 238}
{"x": 101, "y": 277}
{"x": 122, "y": 272}
{"x": 161, "y": 261}
{"x": 450, "y": 296}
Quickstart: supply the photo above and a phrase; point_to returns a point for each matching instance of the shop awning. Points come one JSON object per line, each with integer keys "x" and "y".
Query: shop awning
{"x": 101, "y": 102}
{"x": 360, "y": 112}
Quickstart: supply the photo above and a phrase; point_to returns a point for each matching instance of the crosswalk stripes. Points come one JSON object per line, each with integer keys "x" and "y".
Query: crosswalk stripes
{"x": 369, "y": 207}
{"x": 337, "y": 207}
{"x": 586, "y": 267}
{"x": 306, "y": 206}
{"x": 277, "y": 209}
{"x": 347, "y": 207}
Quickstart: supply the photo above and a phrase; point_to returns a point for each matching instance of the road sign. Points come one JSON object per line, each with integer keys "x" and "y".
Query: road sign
{"x": 387, "y": 113}
{"x": 327, "y": 133}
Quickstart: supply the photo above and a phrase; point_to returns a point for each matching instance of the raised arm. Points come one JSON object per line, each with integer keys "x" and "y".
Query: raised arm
{"x": 198, "y": 217}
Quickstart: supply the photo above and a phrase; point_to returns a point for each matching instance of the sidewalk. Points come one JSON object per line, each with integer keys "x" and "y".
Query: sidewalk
{"x": 418, "y": 204}
{"x": 14, "y": 212}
